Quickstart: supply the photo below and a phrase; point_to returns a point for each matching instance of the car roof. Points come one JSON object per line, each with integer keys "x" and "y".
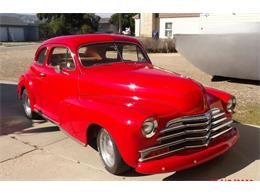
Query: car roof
{"x": 74, "y": 41}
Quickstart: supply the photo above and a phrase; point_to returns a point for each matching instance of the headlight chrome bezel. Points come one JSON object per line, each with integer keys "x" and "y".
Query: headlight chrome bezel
{"x": 231, "y": 104}
{"x": 149, "y": 127}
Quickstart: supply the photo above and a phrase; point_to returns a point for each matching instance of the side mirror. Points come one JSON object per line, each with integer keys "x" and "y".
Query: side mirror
{"x": 58, "y": 68}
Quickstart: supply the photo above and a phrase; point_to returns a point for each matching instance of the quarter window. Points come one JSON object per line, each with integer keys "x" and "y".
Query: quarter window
{"x": 168, "y": 29}
{"x": 61, "y": 56}
{"x": 41, "y": 56}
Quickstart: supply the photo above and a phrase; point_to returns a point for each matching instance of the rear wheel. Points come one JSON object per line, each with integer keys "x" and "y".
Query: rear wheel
{"x": 109, "y": 153}
{"x": 27, "y": 107}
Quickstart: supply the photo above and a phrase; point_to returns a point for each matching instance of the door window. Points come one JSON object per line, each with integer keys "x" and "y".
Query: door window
{"x": 61, "y": 56}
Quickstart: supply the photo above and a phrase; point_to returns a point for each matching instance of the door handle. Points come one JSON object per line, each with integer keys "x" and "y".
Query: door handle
{"x": 42, "y": 74}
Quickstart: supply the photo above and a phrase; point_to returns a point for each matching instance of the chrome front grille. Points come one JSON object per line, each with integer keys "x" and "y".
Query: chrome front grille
{"x": 188, "y": 132}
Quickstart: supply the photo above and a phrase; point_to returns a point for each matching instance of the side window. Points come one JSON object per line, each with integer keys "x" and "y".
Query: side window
{"x": 61, "y": 56}
{"x": 132, "y": 53}
{"x": 41, "y": 56}
{"x": 111, "y": 53}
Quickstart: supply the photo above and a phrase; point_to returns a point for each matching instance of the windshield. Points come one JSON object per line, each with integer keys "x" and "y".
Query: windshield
{"x": 104, "y": 53}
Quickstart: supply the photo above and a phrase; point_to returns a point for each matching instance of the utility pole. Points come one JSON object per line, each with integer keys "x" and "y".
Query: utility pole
{"x": 120, "y": 23}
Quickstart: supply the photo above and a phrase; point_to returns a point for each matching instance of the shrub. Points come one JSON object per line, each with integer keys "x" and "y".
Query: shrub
{"x": 158, "y": 45}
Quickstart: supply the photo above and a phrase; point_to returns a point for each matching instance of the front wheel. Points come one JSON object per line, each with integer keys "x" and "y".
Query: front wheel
{"x": 27, "y": 106}
{"x": 109, "y": 153}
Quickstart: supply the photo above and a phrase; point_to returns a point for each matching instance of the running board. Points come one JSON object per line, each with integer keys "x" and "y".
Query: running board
{"x": 57, "y": 124}
{"x": 46, "y": 117}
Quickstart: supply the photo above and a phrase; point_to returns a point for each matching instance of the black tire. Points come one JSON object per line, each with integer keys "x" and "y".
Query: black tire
{"x": 27, "y": 108}
{"x": 119, "y": 166}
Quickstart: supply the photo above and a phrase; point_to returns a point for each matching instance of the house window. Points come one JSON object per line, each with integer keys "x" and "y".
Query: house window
{"x": 168, "y": 29}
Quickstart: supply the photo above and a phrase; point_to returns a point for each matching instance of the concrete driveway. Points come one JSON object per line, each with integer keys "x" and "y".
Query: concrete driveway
{"x": 39, "y": 151}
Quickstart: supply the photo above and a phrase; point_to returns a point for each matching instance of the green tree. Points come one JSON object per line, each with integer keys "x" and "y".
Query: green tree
{"x": 65, "y": 24}
{"x": 126, "y": 20}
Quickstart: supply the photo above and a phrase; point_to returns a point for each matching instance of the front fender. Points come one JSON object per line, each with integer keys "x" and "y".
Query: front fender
{"x": 216, "y": 95}
{"x": 122, "y": 123}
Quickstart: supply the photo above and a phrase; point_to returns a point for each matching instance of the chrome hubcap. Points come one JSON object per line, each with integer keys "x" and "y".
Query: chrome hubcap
{"x": 107, "y": 149}
{"x": 26, "y": 105}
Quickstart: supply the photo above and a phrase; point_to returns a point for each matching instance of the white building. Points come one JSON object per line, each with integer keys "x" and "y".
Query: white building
{"x": 165, "y": 24}
{"x": 168, "y": 24}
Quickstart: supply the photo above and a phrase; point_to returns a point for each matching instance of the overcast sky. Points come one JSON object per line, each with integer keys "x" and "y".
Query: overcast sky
{"x": 104, "y": 15}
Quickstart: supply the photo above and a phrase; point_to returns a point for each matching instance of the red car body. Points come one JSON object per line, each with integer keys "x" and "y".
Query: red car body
{"x": 120, "y": 96}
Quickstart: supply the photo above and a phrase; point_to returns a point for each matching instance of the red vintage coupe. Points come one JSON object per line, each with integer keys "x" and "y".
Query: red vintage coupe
{"x": 103, "y": 90}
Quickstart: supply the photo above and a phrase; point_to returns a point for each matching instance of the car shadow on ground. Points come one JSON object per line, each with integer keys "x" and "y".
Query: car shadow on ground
{"x": 240, "y": 156}
{"x": 40, "y": 130}
{"x": 12, "y": 117}
{"x": 235, "y": 80}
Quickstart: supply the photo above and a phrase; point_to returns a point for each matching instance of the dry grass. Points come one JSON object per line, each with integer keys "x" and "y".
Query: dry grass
{"x": 158, "y": 45}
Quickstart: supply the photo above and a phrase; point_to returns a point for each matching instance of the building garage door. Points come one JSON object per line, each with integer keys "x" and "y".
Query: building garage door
{"x": 3, "y": 34}
{"x": 16, "y": 33}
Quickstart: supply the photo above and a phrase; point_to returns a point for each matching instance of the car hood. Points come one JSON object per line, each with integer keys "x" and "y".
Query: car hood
{"x": 143, "y": 87}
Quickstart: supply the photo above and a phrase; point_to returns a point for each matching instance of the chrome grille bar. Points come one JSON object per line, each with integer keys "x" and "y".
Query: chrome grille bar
{"x": 186, "y": 132}
{"x": 215, "y": 111}
{"x": 219, "y": 121}
{"x": 176, "y": 142}
{"x": 221, "y": 126}
{"x": 184, "y": 126}
{"x": 221, "y": 133}
{"x": 186, "y": 119}
{"x": 176, "y": 150}
{"x": 218, "y": 115}
{"x": 189, "y": 132}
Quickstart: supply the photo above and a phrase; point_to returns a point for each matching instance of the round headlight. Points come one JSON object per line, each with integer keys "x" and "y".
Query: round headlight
{"x": 149, "y": 127}
{"x": 231, "y": 104}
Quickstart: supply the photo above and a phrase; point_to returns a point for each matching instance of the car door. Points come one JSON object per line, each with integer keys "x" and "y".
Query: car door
{"x": 36, "y": 71}
{"x": 60, "y": 84}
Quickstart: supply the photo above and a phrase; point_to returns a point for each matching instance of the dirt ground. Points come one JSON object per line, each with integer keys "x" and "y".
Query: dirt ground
{"x": 15, "y": 59}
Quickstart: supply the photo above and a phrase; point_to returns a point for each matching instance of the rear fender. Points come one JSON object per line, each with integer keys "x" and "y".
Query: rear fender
{"x": 24, "y": 83}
